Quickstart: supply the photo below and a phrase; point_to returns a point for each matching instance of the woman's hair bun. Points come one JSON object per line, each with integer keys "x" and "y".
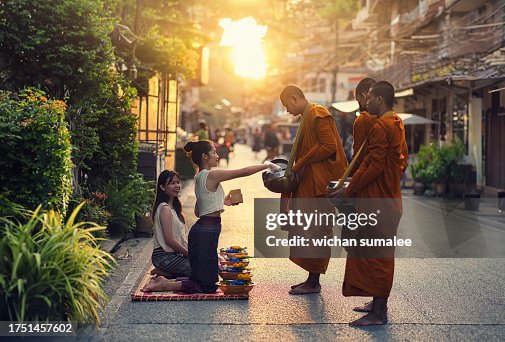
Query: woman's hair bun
{"x": 189, "y": 146}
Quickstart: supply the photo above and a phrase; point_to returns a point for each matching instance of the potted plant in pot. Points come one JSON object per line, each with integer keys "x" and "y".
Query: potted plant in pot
{"x": 438, "y": 173}
{"x": 418, "y": 174}
{"x": 444, "y": 163}
{"x": 458, "y": 179}
{"x": 458, "y": 172}
{"x": 419, "y": 169}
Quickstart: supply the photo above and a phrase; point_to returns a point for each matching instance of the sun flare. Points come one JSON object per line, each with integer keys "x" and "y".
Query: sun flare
{"x": 246, "y": 38}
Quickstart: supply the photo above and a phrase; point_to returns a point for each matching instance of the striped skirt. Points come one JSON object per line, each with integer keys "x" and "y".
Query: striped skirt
{"x": 175, "y": 264}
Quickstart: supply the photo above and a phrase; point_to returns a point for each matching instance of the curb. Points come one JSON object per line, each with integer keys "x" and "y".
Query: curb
{"x": 110, "y": 244}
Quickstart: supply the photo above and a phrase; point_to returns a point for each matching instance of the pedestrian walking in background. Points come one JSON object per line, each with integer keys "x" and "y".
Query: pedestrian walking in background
{"x": 271, "y": 143}
{"x": 256, "y": 147}
{"x": 203, "y": 132}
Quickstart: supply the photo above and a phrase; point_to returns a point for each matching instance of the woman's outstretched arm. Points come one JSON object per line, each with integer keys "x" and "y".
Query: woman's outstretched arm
{"x": 217, "y": 176}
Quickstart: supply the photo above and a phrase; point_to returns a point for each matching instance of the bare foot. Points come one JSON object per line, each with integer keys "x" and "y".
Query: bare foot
{"x": 161, "y": 273}
{"x": 305, "y": 289}
{"x": 370, "y": 318}
{"x": 161, "y": 283}
{"x": 153, "y": 284}
{"x": 296, "y": 285}
{"x": 365, "y": 308}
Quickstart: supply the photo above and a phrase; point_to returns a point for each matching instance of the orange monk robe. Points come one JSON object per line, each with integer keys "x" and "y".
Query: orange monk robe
{"x": 378, "y": 177}
{"x": 362, "y": 126}
{"x": 321, "y": 156}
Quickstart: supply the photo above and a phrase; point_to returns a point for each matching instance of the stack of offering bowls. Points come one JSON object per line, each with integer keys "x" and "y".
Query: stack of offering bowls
{"x": 237, "y": 278}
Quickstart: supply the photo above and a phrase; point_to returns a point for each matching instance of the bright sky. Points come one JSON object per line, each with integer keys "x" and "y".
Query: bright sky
{"x": 246, "y": 38}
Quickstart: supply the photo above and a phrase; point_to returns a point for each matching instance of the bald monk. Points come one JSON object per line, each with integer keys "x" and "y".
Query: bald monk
{"x": 319, "y": 159}
{"x": 378, "y": 177}
{"x": 361, "y": 128}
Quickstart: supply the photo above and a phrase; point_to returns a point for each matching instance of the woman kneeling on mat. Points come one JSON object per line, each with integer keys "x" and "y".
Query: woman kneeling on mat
{"x": 204, "y": 235}
{"x": 170, "y": 254}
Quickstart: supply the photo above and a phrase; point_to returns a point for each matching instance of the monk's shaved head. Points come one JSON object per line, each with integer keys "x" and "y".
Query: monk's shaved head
{"x": 386, "y": 91}
{"x": 363, "y": 87}
{"x": 291, "y": 90}
{"x": 293, "y": 99}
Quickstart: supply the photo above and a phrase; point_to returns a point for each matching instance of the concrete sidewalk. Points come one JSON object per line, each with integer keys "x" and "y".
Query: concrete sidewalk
{"x": 432, "y": 299}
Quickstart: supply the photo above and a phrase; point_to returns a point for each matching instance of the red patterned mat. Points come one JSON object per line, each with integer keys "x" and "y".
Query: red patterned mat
{"x": 138, "y": 295}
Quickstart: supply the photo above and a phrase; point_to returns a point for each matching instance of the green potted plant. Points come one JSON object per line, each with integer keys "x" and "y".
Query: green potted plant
{"x": 419, "y": 169}
{"x": 458, "y": 179}
{"x": 444, "y": 164}
{"x": 438, "y": 172}
{"x": 437, "y": 165}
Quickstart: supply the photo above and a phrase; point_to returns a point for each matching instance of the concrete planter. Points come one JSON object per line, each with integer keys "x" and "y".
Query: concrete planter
{"x": 144, "y": 226}
{"x": 439, "y": 188}
{"x": 472, "y": 201}
{"x": 419, "y": 188}
{"x": 501, "y": 201}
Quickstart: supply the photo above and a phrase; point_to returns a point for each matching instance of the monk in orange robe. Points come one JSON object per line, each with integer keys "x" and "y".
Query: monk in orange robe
{"x": 319, "y": 159}
{"x": 363, "y": 123}
{"x": 378, "y": 177}
{"x": 360, "y": 130}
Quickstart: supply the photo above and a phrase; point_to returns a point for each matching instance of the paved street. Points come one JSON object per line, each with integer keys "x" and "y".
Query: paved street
{"x": 432, "y": 298}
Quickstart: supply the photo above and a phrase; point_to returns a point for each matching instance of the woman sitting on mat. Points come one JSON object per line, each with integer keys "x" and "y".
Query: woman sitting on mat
{"x": 204, "y": 235}
{"x": 170, "y": 254}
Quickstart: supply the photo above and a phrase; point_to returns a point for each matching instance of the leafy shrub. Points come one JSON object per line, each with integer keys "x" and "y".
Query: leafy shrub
{"x": 114, "y": 156}
{"x": 50, "y": 270}
{"x": 418, "y": 169}
{"x": 438, "y": 164}
{"x": 93, "y": 209}
{"x": 9, "y": 208}
{"x": 127, "y": 202}
{"x": 36, "y": 153}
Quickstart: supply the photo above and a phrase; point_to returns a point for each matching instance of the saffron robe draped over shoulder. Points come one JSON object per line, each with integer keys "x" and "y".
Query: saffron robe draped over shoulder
{"x": 378, "y": 177}
{"x": 322, "y": 158}
{"x": 360, "y": 129}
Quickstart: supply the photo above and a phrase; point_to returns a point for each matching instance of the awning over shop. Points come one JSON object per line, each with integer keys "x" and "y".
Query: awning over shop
{"x": 346, "y": 106}
{"x": 352, "y": 106}
{"x": 403, "y": 93}
{"x": 412, "y": 119}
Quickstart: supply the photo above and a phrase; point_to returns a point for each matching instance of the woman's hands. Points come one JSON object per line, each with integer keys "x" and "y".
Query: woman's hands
{"x": 272, "y": 167}
{"x": 228, "y": 201}
{"x": 337, "y": 197}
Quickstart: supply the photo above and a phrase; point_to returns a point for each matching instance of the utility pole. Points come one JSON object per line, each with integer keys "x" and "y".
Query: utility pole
{"x": 335, "y": 69}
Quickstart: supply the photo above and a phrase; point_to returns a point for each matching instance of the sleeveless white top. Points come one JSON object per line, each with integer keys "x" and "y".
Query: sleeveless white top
{"x": 177, "y": 227}
{"x": 208, "y": 202}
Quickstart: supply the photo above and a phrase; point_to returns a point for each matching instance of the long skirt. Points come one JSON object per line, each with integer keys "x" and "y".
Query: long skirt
{"x": 202, "y": 249}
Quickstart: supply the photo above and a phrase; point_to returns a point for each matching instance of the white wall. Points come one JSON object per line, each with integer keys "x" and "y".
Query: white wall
{"x": 475, "y": 135}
